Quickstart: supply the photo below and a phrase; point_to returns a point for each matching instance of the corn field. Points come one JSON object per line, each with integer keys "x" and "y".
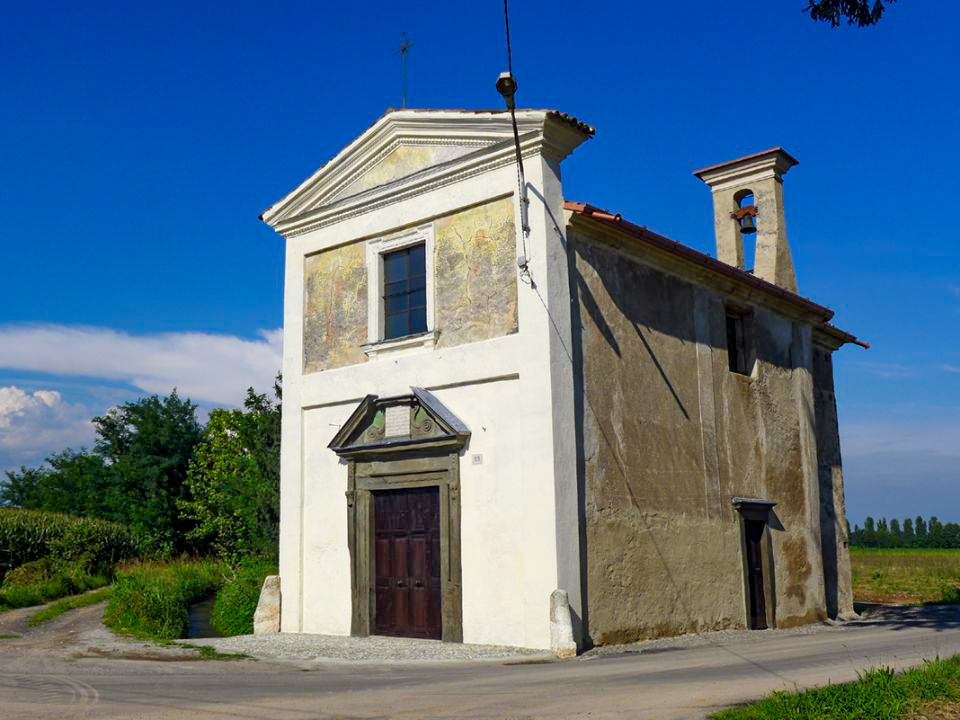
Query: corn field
{"x": 27, "y": 535}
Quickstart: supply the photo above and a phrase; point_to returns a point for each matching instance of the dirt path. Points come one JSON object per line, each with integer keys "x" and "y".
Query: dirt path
{"x": 76, "y": 634}
{"x": 17, "y": 621}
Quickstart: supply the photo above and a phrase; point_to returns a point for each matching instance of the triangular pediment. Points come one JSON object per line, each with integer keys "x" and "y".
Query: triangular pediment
{"x": 401, "y": 161}
{"x": 409, "y": 151}
{"x": 414, "y": 421}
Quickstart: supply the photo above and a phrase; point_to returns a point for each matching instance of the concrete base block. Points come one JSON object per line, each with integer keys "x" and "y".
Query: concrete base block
{"x": 562, "y": 643}
{"x": 266, "y": 619}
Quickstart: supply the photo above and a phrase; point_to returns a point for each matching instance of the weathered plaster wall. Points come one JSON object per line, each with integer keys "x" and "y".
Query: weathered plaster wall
{"x": 335, "y": 307}
{"x": 838, "y": 583}
{"x": 768, "y": 450}
{"x": 670, "y": 435}
{"x": 476, "y": 279}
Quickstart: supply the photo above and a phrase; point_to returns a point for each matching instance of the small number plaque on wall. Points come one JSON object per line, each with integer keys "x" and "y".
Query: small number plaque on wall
{"x": 396, "y": 421}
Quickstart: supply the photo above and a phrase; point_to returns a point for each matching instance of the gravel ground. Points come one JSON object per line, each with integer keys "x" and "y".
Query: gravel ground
{"x": 378, "y": 650}
{"x": 373, "y": 649}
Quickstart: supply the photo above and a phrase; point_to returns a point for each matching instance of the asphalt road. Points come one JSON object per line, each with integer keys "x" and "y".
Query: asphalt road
{"x": 64, "y": 673}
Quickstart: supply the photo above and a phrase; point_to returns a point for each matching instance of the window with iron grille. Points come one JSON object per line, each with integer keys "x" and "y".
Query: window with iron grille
{"x": 404, "y": 292}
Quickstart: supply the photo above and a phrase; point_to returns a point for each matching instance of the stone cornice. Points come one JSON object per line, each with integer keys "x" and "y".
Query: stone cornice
{"x": 769, "y": 164}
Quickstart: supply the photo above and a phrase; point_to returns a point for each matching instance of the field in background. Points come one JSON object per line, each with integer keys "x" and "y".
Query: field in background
{"x": 905, "y": 575}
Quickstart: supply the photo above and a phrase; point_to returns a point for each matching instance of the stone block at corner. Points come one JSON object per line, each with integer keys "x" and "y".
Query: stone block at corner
{"x": 266, "y": 619}
{"x": 562, "y": 643}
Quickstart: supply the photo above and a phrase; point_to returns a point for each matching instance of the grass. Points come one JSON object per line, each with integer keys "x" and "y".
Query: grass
{"x": 151, "y": 600}
{"x": 878, "y": 695}
{"x": 237, "y": 598}
{"x": 55, "y": 610}
{"x": 905, "y": 575}
{"x": 43, "y": 580}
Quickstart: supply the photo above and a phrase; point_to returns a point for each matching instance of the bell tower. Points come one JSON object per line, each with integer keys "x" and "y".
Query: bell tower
{"x": 748, "y": 205}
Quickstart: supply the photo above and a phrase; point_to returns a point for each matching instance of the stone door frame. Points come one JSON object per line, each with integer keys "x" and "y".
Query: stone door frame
{"x": 398, "y": 471}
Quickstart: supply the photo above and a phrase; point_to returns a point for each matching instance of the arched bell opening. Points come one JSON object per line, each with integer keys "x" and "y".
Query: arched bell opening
{"x": 745, "y": 215}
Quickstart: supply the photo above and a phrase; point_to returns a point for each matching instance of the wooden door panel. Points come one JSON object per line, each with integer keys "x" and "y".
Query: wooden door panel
{"x": 382, "y": 562}
{"x": 407, "y": 567}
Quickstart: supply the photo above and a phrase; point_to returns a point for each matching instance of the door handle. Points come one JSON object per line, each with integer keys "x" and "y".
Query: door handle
{"x": 418, "y": 584}
{"x": 399, "y": 583}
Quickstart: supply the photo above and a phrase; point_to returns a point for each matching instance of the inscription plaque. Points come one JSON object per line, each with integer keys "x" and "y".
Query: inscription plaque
{"x": 396, "y": 421}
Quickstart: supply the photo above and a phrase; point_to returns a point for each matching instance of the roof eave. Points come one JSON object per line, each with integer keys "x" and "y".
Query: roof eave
{"x": 694, "y": 257}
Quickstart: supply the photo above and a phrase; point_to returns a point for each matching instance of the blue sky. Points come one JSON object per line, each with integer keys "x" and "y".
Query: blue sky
{"x": 142, "y": 140}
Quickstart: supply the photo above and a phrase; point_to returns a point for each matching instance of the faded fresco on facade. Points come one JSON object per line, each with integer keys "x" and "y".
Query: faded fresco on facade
{"x": 334, "y": 308}
{"x": 476, "y": 279}
{"x": 401, "y": 162}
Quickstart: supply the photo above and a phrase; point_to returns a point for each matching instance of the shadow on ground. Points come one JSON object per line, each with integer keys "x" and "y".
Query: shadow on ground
{"x": 899, "y": 617}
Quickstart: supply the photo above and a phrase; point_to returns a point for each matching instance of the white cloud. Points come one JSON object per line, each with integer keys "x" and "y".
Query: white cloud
{"x": 205, "y": 367}
{"x": 34, "y": 424}
{"x": 888, "y": 370}
{"x": 903, "y": 434}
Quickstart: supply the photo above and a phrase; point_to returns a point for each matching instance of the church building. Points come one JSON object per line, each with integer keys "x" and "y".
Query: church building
{"x": 493, "y": 393}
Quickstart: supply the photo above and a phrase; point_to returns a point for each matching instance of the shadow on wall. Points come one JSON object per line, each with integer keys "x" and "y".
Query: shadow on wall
{"x": 581, "y": 296}
{"x": 622, "y": 280}
{"x": 643, "y": 301}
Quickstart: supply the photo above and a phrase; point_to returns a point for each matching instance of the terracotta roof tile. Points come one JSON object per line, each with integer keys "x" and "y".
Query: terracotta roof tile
{"x": 694, "y": 256}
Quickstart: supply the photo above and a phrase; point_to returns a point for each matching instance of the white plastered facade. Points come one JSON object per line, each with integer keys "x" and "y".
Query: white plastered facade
{"x": 514, "y": 392}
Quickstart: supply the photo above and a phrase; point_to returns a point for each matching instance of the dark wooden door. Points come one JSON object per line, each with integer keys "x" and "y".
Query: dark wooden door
{"x": 758, "y": 606}
{"x": 407, "y": 563}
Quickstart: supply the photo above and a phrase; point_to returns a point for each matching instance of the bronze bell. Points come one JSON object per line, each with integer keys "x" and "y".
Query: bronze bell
{"x": 747, "y": 226}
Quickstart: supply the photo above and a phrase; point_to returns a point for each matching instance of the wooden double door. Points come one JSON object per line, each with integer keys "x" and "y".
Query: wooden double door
{"x": 407, "y": 562}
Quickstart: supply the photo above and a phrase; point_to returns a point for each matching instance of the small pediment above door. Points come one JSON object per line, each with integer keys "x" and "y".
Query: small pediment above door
{"x": 404, "y": 422}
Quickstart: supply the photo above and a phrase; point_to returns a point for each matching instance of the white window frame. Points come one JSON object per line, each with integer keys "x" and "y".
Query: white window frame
{"x": 376, "y": 249}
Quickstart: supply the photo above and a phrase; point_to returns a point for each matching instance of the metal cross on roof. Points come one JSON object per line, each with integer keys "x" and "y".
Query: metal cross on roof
{"x": 404, "y": 49}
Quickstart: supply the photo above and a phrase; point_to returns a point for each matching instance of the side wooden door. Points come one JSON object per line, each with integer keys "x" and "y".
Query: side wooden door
{"x": 407, "y": 562}
{"x": 758, "y": 605}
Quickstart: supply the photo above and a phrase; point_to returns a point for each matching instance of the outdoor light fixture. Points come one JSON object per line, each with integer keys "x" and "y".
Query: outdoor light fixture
{"x": 507, "y": 86}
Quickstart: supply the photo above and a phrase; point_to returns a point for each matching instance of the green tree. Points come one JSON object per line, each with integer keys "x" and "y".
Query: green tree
{"x": 74, "y": 482}
{"x": 22, "y": 489}
{"x": 908, "y": 538}
{"x": 920, "y": 531}
{"x": 883, "y": 533}
{"x": 869, "y": 533}
{"x": 896, "y": 536}
{"x": 148, "y": 444}
{"x": 950, "y": 535}
{"x": 859, "y": 12}
{"x": 234, "y": 481}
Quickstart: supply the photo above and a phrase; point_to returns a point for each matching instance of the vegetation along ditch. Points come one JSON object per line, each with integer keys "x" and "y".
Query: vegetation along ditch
{"x": 163, "y": 513}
